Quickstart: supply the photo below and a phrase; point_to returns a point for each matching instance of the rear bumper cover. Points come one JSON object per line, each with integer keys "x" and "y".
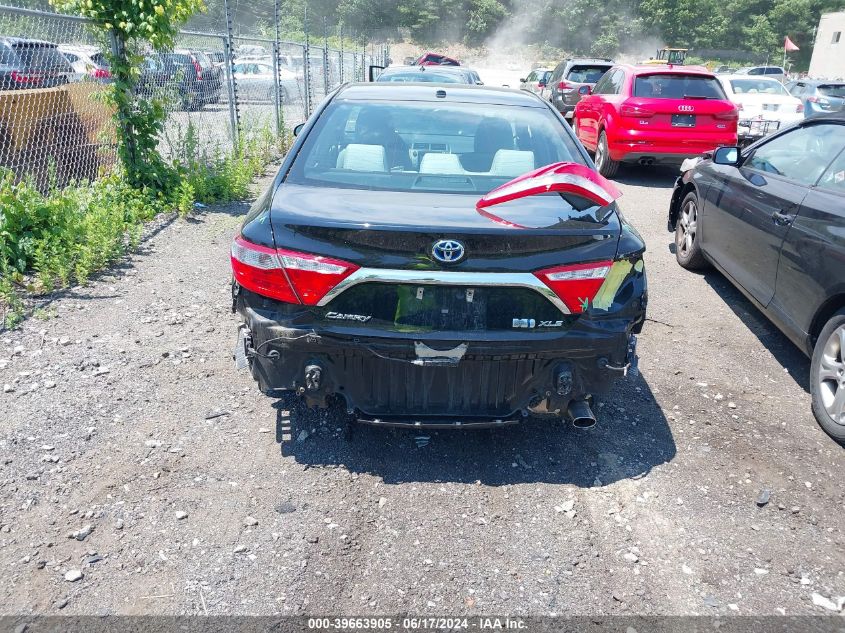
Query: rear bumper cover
{"x": 391, "y": 377}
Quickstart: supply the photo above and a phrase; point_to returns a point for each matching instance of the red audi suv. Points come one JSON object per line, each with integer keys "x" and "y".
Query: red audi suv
{"x": 650, "y": 115}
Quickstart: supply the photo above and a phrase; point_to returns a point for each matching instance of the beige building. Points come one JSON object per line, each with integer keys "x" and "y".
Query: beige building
{"x": 828, "y": 61}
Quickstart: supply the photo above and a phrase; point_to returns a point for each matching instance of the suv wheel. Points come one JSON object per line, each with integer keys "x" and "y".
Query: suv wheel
{"x": 607, "y": 166}
{"x": 827, "y": 378}
{"x": 687, "y": 247}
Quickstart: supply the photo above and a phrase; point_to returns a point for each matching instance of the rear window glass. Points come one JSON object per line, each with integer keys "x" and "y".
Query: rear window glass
{"x": 678, "y": 86}
{"x": 41, "y": 57}
{"x": 99, "y": 59}
{"x": 586, "y": 74}
{"x": 414, "y": 146}
{"x": 832, "y": 90}
{"x": 7, "y": 57}
{"x": 758, "y": 86}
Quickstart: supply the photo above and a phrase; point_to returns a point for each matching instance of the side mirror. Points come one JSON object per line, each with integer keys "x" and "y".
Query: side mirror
{"x": 541, "y": 85}
{"x": 585, "y": 90}
{"x": 726, "y": 156}
{"x": 522, "y": 80}
{"x": 297, "y": 129}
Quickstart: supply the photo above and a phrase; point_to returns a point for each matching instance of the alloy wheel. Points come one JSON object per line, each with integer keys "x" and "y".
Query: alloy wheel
{"x": 600, "y": 155}
{"x": 688, "y": 221}
{"x": 832, "y": 376}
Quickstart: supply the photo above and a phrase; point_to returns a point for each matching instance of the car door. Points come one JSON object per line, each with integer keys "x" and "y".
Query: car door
{"x": 750, "y": 211}
{"x": 589, "y": 109}
{"x": 528, "y": 83}
{"x": 812, "y": 261}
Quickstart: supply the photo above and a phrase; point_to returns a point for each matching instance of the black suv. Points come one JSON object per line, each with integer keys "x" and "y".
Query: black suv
{"x": 26, "y": 63}
{"x": 195, "y": 78}
{"x": 572, "y": 79}
{"x": 395, "y": 268}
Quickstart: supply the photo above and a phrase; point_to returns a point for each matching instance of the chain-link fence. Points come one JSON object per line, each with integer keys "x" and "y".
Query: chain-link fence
{"x": 56, "y": 125}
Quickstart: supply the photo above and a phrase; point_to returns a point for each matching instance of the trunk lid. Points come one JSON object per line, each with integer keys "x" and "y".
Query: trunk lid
{"x": 666, "y": 104}
{"x": 374, "y": 229}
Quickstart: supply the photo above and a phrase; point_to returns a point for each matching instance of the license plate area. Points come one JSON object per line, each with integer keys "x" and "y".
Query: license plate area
{"x": 415, "y": 308}
{"x": 683, "y": 120}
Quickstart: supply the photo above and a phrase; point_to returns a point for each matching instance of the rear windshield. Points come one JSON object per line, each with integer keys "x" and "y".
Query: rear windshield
{"x": 428, "y": 77}
{"x": 586, "y": 74}
{"x": 422, "y": 146}
{"x": 758, "y": 86}
{"x": 832, "y": 90}
{"x": 203, "y": 60}
{"x": 678, "y": 86}
{"x": 41, "y": 57}
{"x": 99, "y": 59}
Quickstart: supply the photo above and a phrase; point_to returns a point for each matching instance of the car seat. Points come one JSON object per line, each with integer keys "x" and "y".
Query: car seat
{"x": 358, "y": 157}
{"x": 434, "y": 163}
{"x": 491, "y": 135}
{"x": 511, "y": 163}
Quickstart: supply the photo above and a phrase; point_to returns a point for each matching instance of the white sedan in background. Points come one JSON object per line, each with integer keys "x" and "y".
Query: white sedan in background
{"x": 765, "y": 106}
{"x": 254, "y": 78}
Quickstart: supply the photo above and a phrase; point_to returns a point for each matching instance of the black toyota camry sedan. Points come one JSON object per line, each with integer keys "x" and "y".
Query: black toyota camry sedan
{"x": 771, "y": 218}
{"x": 438, "y": 255}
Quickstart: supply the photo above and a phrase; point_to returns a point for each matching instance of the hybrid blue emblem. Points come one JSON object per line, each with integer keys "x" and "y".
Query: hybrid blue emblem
{"x": 448, "y": 251}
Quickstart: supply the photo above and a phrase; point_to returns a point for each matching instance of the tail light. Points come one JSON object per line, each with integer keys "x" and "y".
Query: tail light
{"x": 100, "y": 73}
{"x": 635, "y": 111}
{"x": 23, "y": 78}
{"x": 730, "y": 115}
{"x": 563, "y": 85}
{"x": 258, "y": 268}
{"x": 312, "y": 276}
{"x": 197, "y": 68}
{"x": 820, "y": 100}
{"x": 285, "y": 275}
{"x": 799, "y": 107}
{"x": 576, "y": 284}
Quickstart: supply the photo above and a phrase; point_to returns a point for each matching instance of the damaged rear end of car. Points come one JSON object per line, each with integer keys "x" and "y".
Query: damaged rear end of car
{"x": 429, "y": 306}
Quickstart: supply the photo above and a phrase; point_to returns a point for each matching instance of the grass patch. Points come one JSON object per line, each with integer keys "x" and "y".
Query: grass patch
{"x": 56, "y": 239}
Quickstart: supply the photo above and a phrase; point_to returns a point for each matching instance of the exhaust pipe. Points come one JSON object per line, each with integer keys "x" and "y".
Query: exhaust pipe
{"x": 581, "y": 414}
{"x": 647, "y": 161}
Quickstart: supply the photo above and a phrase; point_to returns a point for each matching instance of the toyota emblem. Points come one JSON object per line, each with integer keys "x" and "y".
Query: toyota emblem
{"x": 448, "y": 251}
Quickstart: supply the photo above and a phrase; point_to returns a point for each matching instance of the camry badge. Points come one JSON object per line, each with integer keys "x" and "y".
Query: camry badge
{"x": 448, "y": 251}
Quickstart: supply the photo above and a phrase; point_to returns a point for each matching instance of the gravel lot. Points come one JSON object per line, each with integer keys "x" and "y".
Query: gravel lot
{"x": 141, "y": 474}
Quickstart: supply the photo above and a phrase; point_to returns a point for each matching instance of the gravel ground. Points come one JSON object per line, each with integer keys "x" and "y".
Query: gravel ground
{"x": 141, "y": 473}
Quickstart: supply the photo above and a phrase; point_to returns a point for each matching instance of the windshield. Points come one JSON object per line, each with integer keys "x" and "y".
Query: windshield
{"x": 758, "y": 86}
{"x": 421, "y": 146}
{"x": 679, "y": 86}
{"x": 832, "y": 90}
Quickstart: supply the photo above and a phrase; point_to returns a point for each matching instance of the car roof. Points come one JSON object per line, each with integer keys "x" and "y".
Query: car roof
{"x": 830, "y": 117}
{"x": 591, "y": 60}
{"x": 747, "y": 77}
{"x": 666, "y": 69}
{"x": 12, "y": 41}
{"x": 458, "y": 70}
{"x": 821, "y": 82}
{"x": 460, "y": 93}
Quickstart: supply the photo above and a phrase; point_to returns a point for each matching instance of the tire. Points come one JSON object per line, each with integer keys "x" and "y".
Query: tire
{"x": 687, "y": 245}
{"x": 606, "y": 166}
{"x": 827, "y": 378}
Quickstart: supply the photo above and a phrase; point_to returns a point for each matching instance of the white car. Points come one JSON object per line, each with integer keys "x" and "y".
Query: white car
{"x": 88, "y": 62}
{"x": 765, "y": 106}
{"x": 255, "y": 82}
